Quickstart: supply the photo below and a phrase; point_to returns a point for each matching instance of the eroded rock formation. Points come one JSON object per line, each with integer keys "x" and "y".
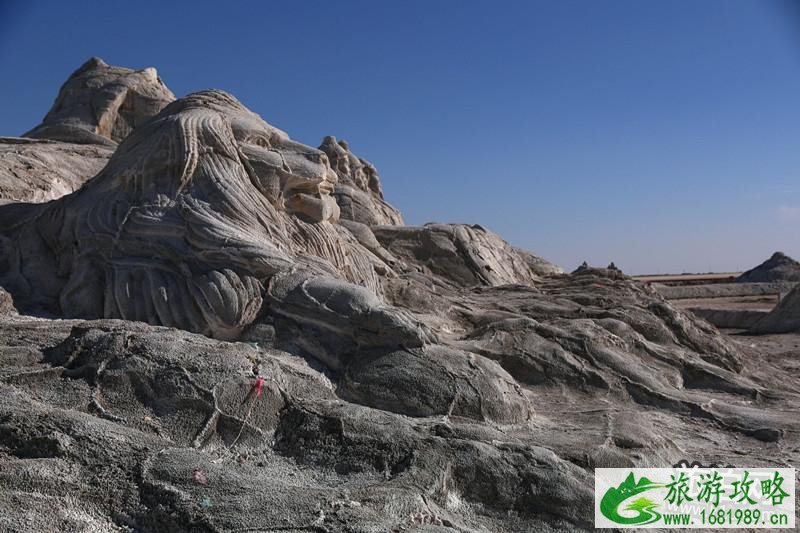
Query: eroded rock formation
{"x": 463, "y": 255}
{"x": 378, "y": 377}
{"x": 101, "y": 104}
{"x": 97, "y": 107}
{"x": 784, "y": 318}
{"x": 779, "y": 267}
{"x": 6, "y": 303}
{"x": 192, "y": 214}
{"x": 358, "y": 192}
{"x": 38, "y": 170}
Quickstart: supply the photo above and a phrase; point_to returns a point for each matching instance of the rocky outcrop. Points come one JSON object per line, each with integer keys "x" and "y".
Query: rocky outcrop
{"x": 162, "y": 430}
{"x": 193, "y": 213}
{"x": 6, "y": 303}
{"x": 102, "y": 104}
{"x": 284, "y": 360}
{"x": 96, "y": 108}
{"x": 38, "y": 170}
{"x": 358, "y": 192}
{"x": 462, "y": 254}
{"x": 784, "y": 318}
{"x": 779, "y": 267}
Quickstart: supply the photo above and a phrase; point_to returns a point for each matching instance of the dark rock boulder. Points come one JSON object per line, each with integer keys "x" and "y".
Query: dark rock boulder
{"x": 435, "y": 381}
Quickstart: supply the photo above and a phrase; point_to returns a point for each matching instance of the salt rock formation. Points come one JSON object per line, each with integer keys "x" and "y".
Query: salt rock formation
{"x": 101, "y": 104}
{"x": 38, "y": 170}
{"x": 6, "y": 303}
{"x": 779, "y": 267}
{"x": 151, "y": 428}
{"x": 387, "y": 377}
{"x": 97, "y": 107}
{"x": 135, "y": 423}
{"x": 462, "y": 254}
{"x": 784, "y": 318}
{"x": 194, "y": 212}
{"x": 358, "y": 192}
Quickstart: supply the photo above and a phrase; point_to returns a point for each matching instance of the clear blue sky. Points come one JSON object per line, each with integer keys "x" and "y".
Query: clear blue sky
{"x": 663, "y": 135}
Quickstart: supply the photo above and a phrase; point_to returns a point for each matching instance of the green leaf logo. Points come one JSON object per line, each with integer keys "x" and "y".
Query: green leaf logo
{"x": 616, "y": 496}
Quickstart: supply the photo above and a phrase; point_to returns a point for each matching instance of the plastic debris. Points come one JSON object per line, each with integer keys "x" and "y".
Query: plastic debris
{"x": 200, "y": 477}
{"x": 258, "y": 386}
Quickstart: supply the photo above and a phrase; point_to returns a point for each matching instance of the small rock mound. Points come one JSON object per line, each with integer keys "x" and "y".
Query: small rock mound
{"x": 101, "y": 104}
{"x": 611, "y": 271}
{"x": 784, "y": 318}
{"x": 779, "y": 267}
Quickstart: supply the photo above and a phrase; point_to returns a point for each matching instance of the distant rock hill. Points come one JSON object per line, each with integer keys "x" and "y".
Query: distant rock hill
{"x": 779, "y": 267}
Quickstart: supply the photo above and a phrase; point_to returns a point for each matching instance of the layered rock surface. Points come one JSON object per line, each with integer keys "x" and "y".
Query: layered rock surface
{"x": 358, "y": 192}
{"x": 97, "y": 107}
{"x": 37, "y": 170}
{"x": 101, "y": 104}
{"x": 234, "y": 331}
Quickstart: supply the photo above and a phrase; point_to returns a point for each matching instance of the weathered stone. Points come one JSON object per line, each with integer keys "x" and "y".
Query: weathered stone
{"x": 358, "y": 192}
{"x": 6, "y": 303}
{"x": 33, "y": 170}
{"x": 195, "y": 210}
{"x": 462, "y": 254}
{"x": 101, "y": 104}
{"x": 445, "y": 382}
{"x": 784, "y": 318}
{"x": 779, "y": 267}
{"x": 97, "y": 107}
{"x": 387, "y": 378}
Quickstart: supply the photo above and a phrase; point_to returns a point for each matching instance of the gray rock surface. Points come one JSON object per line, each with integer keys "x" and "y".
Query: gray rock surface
{"x": 785, "y": 317}
{"x": 213, "y": 349}
{"x": 101, "y": 104}
{"x": 6, "y": 303}
{"x": 38, "y": 170}
{"x": 97, "y": 107}
{"x": 779, "y": 267}
{"x": 358, "y": 192}
{"x": 723, "y": 290}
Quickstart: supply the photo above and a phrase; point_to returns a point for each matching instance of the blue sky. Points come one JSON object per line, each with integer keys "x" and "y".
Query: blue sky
{"x": 663, "y": 135}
